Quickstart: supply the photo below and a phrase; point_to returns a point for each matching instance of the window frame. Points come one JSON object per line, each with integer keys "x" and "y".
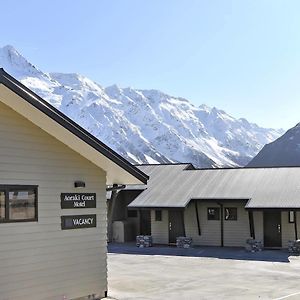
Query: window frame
{"x": 235, "y": 208}
{"x": 158, "y": 215}
{"x": 219, "y": 213}
{"x": 6, "y": 188}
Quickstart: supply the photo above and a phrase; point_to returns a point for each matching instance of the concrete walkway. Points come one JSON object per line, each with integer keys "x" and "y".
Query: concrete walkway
{"x": 201, "y": 273}
{"x": 216, "y": 252}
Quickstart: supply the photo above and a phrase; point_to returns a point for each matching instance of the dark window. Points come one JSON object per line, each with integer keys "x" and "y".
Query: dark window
{"x": 291, "y": 216}
{"x": 213, "y": 213}
{"x": 18, "y": 203}
{"x": 230, "y": 213}
{"x": 158, "y": 215}
{"x": 132, "y": 213}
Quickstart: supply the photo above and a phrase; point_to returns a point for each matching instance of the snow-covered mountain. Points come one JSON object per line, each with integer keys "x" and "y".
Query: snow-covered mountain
{"x": 283, "y": 152}
{"x": 145, "y": 126}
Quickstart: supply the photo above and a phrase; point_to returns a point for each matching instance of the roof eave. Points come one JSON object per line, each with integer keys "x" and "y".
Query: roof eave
{"x": 53, "y": 113}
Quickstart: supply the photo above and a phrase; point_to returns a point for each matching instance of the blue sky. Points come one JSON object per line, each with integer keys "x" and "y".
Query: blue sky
{"x": 240, "y": 56}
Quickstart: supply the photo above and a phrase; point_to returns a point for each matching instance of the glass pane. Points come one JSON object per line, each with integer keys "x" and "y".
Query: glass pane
{"x": 227, "y": 214}
{"x": 158, "y": 215}
{"x": 2, "y": 205}
{"x": 213, "y": 213}
{"x": 21, "y": 205}
{"x": 231, "y": 214}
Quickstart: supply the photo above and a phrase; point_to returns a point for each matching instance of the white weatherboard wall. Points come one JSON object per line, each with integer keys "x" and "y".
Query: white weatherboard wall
{"x": 287, "y": 229}
{"x": 237, "y": 232}
{"x": 258, "y": 220}
{"x": 210, "y": 229}
{"x": 39, "y": 260}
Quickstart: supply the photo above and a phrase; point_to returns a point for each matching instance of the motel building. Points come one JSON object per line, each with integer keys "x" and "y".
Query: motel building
{"x": 53, "y": 216}
{"x": 214, "y": 207}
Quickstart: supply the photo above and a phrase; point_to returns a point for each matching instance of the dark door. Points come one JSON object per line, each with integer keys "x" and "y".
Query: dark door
{"x": 145, "y": 222}
{"x": 176, "y": 225}
{"x": 272, "y": 229}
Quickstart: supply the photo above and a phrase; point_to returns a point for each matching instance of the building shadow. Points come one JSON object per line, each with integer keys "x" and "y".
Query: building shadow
{"x": 235, "y": 253}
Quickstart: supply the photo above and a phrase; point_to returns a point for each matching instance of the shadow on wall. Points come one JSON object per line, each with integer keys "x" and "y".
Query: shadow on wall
{"x": 234, "y": 253}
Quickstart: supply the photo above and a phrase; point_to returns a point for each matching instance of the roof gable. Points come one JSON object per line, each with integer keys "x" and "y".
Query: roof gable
{"x": 50, "y": 119}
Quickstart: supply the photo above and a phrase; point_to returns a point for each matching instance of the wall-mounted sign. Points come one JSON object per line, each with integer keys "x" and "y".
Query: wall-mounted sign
{"x": 76, "y": 222}
{"x": 78, "y": 200}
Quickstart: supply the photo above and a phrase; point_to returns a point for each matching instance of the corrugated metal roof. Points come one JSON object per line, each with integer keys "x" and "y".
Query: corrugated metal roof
{"x": 173, "y": 186}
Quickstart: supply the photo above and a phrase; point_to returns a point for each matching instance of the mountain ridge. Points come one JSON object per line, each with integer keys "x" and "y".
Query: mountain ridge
{"x": 283, "y": 152}
{"x": 145, "y": 126}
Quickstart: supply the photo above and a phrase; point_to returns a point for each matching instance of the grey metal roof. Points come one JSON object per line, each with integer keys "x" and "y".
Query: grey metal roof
{"x": 173, "y": 186}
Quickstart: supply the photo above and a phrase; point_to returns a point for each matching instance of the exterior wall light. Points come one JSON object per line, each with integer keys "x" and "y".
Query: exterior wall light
{"x": 79, "y": 184}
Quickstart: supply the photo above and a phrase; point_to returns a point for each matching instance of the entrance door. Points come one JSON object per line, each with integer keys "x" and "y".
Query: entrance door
{"x": 145, "y": 222}
{"x": 176, "y": 225}
{"x": 272, "y": 229}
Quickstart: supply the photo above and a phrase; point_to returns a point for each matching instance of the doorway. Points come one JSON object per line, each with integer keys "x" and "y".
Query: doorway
{"x": 176, "y": 225}
{"x": 272, "y": 229}
{"x": 145, "y": 222}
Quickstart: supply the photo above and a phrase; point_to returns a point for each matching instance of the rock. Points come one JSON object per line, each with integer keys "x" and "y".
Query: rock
{"x": 184, "y": 242}
{"x": 253, "y": 245}
{"x": 144, "y": 241}
{"x": 294, "y": 246}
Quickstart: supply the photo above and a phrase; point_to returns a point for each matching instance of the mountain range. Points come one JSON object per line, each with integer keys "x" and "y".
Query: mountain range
{"x": 283, "y": 152}
{"x": 145, "y": 126}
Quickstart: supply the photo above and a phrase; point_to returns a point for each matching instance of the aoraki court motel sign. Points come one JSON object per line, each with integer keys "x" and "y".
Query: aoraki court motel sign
{"x": 74, "y": 201}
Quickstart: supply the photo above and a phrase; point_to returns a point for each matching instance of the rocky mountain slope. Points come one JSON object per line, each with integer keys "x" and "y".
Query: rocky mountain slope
{"x": 145, "y": 126}
{"x": 285, "y": 151}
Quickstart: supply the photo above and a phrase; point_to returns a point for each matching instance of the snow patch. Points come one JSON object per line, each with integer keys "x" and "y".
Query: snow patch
{"x": 145, "y": 126}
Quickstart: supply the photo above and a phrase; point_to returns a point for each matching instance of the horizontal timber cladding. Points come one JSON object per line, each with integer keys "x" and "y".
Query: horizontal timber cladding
{"x": 288, "y": 229}
{"x": 10, "y": 84}
{"x": 39, "y": 260}
{"x": 258, "y": 221}
{"x": 235, "y": 231}
{"x": 210, "y": 229}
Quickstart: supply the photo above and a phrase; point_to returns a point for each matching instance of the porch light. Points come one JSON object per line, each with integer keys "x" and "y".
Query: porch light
{"x": 79, "y": 184}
